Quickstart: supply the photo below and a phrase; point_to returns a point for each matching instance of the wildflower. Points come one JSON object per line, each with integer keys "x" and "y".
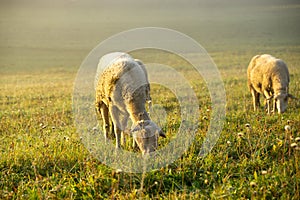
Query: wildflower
{"x": 274, "y": 147}
{"x": 287, "y": 127}
{"x": 248, "y": 128}
{"x": 228, "y": 142}
{"x": 240, "y": 134}
{"x": 294, "y": 145}
{"x": 279, "y": 141}
{"x": 206, "y": 181}
{"x": 264, "y": 172}
{"x": 247, "y": 125}
{"x": 297, "y": 139}
{"x": 252, "y": 184}
{"x": 43, "y": 126}
{"x": 118, "y": 171}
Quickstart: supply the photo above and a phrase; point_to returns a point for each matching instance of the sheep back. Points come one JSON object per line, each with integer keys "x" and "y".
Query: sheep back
{"x": 266, "y": 72}
{"x": 123, "y": 80}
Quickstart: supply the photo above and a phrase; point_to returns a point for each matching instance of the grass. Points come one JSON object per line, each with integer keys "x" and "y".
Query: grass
{"x": 42, "y": 156}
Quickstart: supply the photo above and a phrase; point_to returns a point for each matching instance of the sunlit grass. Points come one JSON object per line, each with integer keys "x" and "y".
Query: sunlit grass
{"x": 42, "y": 156}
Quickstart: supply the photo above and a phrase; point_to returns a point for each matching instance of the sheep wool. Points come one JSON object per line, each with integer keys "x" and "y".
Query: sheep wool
{"x": 269, "y": 76}
{"x": 122, "y": 89}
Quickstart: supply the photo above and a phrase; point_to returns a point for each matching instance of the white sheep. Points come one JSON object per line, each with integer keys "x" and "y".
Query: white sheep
{"x": 122, "y": 89}
{"x": 269, "y": 76}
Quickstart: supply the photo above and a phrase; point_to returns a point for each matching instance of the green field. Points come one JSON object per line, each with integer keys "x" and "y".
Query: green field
{"x": 42, "y": 45}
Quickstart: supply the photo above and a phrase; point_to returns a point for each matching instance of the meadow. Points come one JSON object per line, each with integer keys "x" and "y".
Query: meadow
{"x": 41, "y": 154}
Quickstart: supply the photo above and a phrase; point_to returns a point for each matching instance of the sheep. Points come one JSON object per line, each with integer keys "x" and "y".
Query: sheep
{"x": 269, "y": 76}
{"x": 122, "y": 89}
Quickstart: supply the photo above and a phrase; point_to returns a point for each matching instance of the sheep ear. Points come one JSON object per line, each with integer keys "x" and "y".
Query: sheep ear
{"x": 292, "y": 97}
{"x": 162, "y": 134}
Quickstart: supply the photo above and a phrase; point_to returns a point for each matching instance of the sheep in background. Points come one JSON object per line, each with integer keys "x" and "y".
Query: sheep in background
{"x": 269, "y": 76}
{"x": 122, "y": 89}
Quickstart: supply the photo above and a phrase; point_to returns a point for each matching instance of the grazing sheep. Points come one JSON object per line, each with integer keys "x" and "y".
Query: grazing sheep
{"x": 122, "y": 89}
{"x": 269, "y": 76}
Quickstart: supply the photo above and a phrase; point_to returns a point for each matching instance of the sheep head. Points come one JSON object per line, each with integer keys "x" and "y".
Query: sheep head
{"x": 145, "y": 134}
{"x": 281, "y": 101}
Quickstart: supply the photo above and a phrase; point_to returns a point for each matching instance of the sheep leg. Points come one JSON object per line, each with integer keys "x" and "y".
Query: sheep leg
{"x": 255, "y": 97}
{"x": 274, "y": 105}
{"x": 112, "y": 128}
{"x": 98, "y": 110}
{"x": 268, "y": 100}
{"x": 104, "y": 113}
{"x": 133, "y": 144}
{"x": 123, "y": 124}
{"x": 115, "y": 115}
{"x": 268, "y": 106}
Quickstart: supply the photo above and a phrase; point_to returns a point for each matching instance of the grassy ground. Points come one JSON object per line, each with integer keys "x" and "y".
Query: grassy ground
{"x": 42, "y": 157}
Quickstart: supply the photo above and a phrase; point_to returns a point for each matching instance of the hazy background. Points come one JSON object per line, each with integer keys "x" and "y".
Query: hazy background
{"x": 42, "y": 34}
